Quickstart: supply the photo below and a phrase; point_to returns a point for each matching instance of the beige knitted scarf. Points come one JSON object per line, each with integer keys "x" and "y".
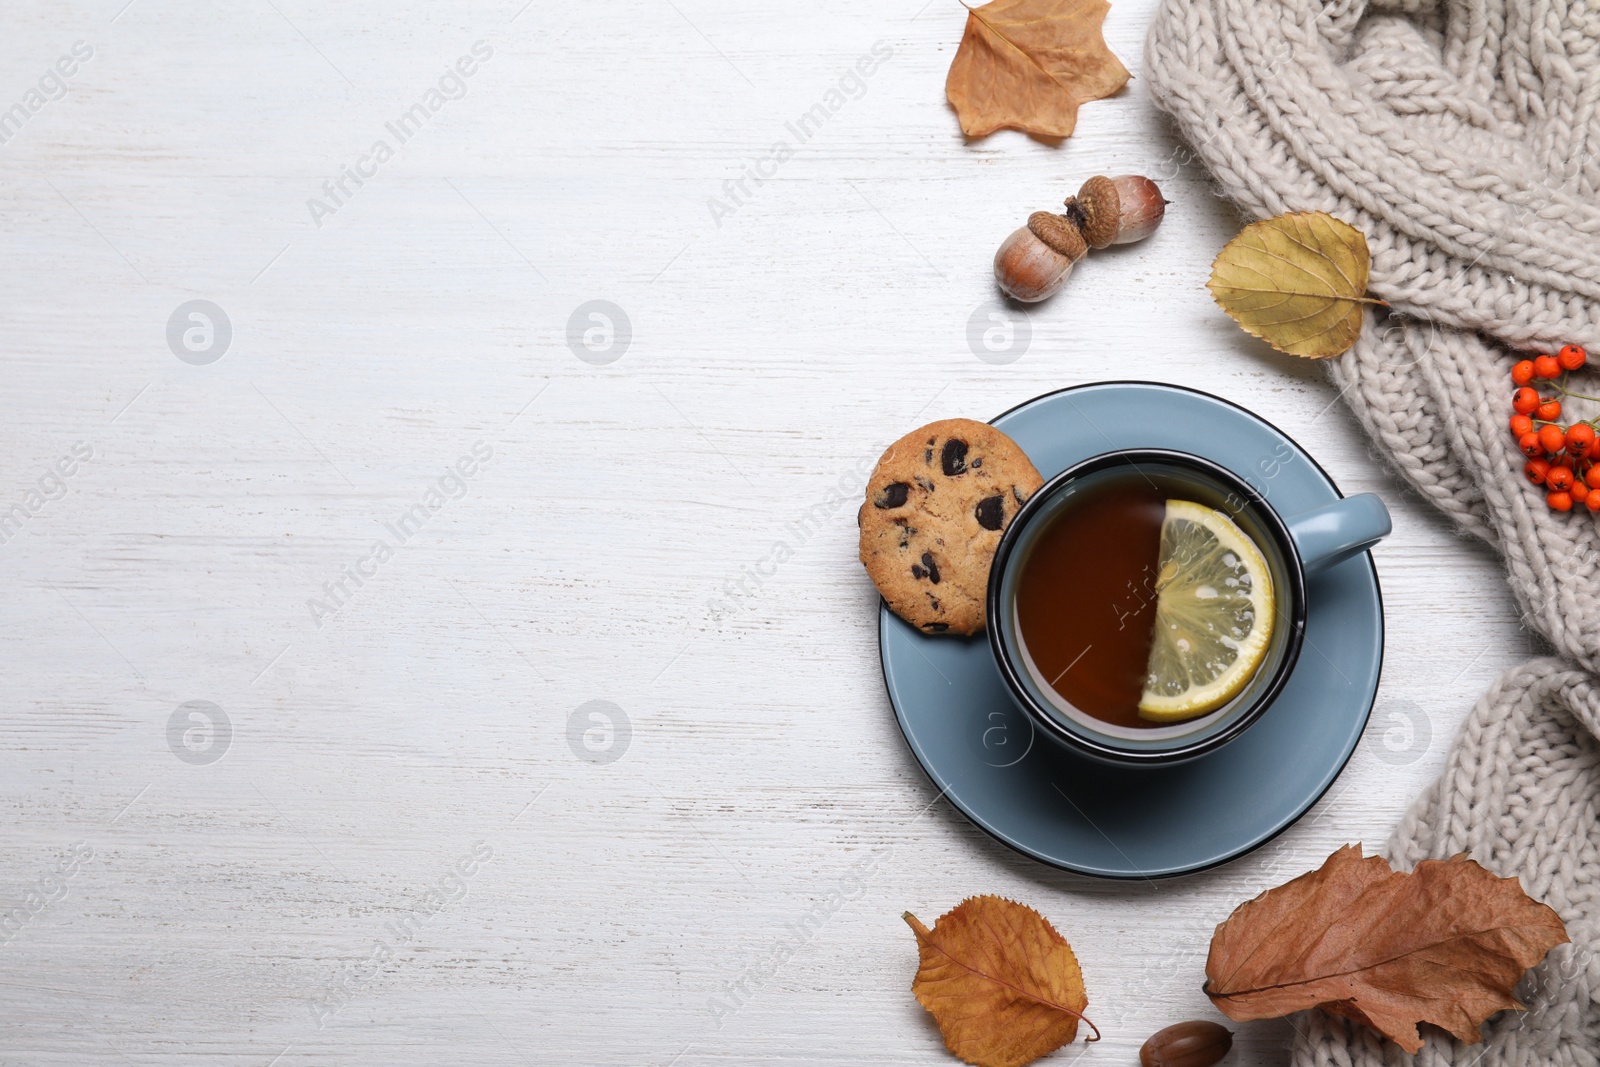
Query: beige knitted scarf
{"x": 1463, "y": 138}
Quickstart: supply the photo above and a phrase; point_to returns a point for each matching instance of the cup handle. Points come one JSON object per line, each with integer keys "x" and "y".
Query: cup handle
{"x": 1335, "y": 532}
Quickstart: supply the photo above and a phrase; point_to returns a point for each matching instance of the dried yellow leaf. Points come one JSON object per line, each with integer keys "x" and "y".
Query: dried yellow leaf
{"x": 1003, "y": 985}
{"x": 1297, "y": 282}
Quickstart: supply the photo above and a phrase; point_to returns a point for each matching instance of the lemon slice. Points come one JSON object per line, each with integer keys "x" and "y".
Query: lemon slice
{"x": 1214, "y": 615}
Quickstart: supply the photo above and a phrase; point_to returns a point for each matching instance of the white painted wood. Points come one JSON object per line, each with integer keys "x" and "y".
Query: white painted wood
{"x": 770, "y": 356}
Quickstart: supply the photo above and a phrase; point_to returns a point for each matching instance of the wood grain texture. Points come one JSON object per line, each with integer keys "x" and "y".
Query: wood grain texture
{"x": 629, "y": 911}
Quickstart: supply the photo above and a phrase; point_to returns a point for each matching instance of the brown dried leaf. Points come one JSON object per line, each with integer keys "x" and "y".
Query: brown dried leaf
{"x": 1444, "y": 944}
{"x": 1296, "y": 281}
{"x": 1004, "y": 987}
{"x": 1028, "y": 64}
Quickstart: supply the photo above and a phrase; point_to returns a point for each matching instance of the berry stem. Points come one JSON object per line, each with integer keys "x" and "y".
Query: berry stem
{"x": 1561, "y": 387}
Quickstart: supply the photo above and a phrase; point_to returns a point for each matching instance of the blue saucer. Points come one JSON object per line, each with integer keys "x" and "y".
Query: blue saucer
{"x": 1075, "y": 814}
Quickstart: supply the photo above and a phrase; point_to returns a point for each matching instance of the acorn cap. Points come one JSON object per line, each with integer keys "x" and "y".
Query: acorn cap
{"x": 1061, "y": 234}
{"x": 1101, "y": 209}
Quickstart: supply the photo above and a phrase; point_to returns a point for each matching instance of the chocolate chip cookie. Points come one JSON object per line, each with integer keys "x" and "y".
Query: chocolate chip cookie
{"x": 936, "y": 505}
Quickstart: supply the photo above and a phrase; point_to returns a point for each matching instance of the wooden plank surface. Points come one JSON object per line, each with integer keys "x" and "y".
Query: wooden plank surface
{"x": 405, "y": 854}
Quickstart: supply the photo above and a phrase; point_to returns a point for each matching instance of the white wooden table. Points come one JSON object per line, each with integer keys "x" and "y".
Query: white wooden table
{"x": 416, "y": 846}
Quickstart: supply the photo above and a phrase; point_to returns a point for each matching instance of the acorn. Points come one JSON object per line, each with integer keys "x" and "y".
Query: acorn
{"x": 1035, "y": 260}
{"x": 1196, "y": 1043}
{"x": 1117, "y": 211}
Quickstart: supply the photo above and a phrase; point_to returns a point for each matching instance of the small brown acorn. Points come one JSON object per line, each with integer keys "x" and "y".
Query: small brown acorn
{"x": 1035, "y": 260}
{"x": 1196, "y": 1043}
{"x": 1117, "y": 211}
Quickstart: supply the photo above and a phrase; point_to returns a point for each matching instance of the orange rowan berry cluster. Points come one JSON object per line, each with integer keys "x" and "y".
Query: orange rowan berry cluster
{"x": 1563, "y": 459}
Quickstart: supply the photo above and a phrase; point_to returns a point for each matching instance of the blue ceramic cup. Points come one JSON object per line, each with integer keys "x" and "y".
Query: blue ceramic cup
{"x": 1294, "y": 546}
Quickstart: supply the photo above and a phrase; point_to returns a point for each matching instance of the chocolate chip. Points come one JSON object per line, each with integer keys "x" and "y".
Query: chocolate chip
{"x": 893, "y": 495}
{"x": 936, "y": 627}
{"x": 933, "y": 568}
{"x": 1018, "y": 494}
{"x": 991, "y": 512}
{"x": 925, "y": 484}
{"x": 918, "y": 572}
{"x": 954, "y": 457}
{"x": 977, "y": 463}
{"x": 927, "y": 456}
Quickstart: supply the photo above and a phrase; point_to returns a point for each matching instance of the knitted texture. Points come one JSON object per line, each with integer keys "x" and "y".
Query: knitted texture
{"x": 1463, "y": 138}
